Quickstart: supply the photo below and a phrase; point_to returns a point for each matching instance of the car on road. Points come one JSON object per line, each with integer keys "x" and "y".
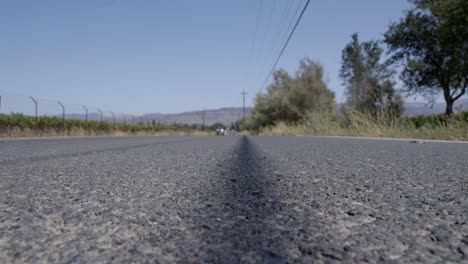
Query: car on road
{"x": 220, "y": 131}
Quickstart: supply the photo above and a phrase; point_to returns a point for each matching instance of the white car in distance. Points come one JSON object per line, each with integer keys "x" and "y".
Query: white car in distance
{"x": 220, "y": 131}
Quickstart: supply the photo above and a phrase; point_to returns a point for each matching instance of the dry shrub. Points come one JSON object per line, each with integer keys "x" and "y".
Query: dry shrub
{"x": 358, "y": 124}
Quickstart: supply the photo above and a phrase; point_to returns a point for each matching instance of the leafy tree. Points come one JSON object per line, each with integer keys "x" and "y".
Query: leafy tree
{"x": 235, "y": 125}
{"x": 431, "y": 42}
{"x": 289, "y": 98}
{"x": 369, "y": 82}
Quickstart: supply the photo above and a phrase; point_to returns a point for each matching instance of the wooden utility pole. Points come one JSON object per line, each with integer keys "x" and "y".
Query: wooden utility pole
{"x": 243, "y": 104}
{"x": 203, "y": 119}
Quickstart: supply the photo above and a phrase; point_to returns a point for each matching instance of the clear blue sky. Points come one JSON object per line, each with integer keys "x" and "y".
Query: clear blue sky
{"x": 170, "y": 56}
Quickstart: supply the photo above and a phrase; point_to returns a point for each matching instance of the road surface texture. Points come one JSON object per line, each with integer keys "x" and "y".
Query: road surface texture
{"x": 232, "y": 199}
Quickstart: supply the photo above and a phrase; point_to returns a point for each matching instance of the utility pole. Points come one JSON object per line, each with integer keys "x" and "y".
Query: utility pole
{"x": 243, "y": 103}
{"x": 63, "y": 114}
{"x": 86, "y": 113}
{"x": 203, "y": 122}
{"x": 35, "y": 108}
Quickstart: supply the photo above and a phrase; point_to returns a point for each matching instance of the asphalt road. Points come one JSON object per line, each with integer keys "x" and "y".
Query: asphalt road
{"x": 232, "y": 199}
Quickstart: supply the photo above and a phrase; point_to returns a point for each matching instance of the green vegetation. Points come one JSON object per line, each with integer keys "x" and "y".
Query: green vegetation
{"x": 358, "y": 124}
{"x": 290, "y": 97}
{"x": 369, "y": 81}
{"x": 20, "y": 125}
{"x": 430, "y": 43}
{"x": 216, "y": 126}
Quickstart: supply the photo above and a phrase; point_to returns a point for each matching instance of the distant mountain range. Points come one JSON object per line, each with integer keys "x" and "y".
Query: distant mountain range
{"x": 230, "y": 115}
{"x": 226, "y": 116}
{"x": 420, "y": 108}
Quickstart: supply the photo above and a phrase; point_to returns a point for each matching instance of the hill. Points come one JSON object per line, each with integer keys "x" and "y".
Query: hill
{"x": 226, "y": 116}
{"x": 421, "y": 108}
{"x": 229, "y": 115}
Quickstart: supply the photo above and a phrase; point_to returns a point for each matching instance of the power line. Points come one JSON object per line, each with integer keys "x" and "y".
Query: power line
{"x": 254, "y": 43}
{"x": 268, "y": 22}
{"x": 259, "y": 51}
{"x": 291, "y": 23}
{"x": 287, "y": 30}
{"x": 280, "y": 35}
{"x": 285, "y": 45}
{"x": 269, "y": 38}
{"x": 257, "y": 25}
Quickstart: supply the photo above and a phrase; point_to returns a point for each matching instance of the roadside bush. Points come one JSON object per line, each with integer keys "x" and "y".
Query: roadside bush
{"x": 290, "y": 97}
{"x": 355, "y": 123}
{"x": 438, "y": 120}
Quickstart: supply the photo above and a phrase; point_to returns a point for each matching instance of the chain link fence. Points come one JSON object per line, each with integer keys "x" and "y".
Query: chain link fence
{"x": 37, "y": 107}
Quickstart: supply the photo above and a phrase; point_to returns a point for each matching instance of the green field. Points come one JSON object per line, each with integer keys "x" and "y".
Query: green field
{"x": 19, "y": 125}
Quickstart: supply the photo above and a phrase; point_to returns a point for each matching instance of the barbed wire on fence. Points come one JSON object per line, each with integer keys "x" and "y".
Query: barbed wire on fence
{"x": 16, "y": 103}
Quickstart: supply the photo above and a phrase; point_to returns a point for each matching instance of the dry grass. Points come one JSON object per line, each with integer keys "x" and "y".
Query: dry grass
{"x": 78, "y": 132}
{"x": 360, "y": 125}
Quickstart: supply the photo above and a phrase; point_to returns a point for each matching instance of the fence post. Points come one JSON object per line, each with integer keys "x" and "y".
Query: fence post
{"x": 86, "y": 113}
{"x": 63, "y": 116}
{"x": 35, "y": 108}
{"x": 100, "y": 111}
